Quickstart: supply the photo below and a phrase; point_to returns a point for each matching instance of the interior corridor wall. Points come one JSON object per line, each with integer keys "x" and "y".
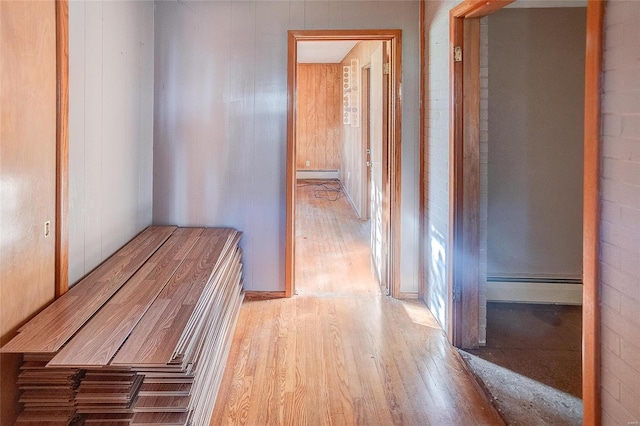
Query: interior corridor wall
{"x": 435, "y": 236}
{"x": 319, "y": 125}
{"x": 353, "y": 167}
{"x": 110, "y": 128}
{"x": 620, "y": 226}
{"x": 221, "y": 112}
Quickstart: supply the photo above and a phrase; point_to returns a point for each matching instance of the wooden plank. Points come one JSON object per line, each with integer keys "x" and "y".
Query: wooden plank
{"x": 264, "y": 295}
{"x": 199, "y": 273}
{"x": 165, "y": 389}
{"x": 103, "y": 335}
{"x": 290, "y": 231}
{"x": 165, "y": 419}
{"x": 591, "y": 369}
{"x": 54, "y": 326}
{"x": 154, "y": 339}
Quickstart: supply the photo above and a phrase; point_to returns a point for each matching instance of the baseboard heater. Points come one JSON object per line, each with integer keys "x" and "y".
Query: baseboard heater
{"x": 543, "y": 290}
{"x": 317, "y": 174}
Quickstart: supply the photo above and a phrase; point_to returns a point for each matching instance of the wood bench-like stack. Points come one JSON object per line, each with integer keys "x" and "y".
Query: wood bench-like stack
{"x": 141, "y": 340}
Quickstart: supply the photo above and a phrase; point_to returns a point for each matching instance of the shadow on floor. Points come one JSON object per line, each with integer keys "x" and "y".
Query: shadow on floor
{"x": 531, "y": 365}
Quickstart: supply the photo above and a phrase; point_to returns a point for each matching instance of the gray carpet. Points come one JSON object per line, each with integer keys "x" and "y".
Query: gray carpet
{"x": 531, "y": 365}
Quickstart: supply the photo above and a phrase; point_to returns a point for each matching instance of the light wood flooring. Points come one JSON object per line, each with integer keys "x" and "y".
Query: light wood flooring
{"x": 340, "y": 352}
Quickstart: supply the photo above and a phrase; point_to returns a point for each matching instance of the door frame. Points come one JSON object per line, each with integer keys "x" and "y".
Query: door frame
{"x": 62, "y": 149}
{"x": 462, "y": 326}
{"x": 391, "y": 181}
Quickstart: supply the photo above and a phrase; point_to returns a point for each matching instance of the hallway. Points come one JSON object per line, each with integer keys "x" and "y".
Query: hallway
{"x": 339, "y": 352}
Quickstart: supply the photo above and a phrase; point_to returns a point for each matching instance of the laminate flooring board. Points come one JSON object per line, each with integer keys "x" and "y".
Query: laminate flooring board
{"x": 172, "y": 323}
{"x": 97, "y": 342}
{"x": 57, "y": 323}
{"x": 212, "y": 364}
{"x": 218, "y": 278}
{"x": 94, "y": 419}
{"x": 165, "y": 389}
{"x": 154, "y": 339}
{"x": 165, "y": 419}
{"x": 220, "y": 311}
{"x": 210, "y": 310}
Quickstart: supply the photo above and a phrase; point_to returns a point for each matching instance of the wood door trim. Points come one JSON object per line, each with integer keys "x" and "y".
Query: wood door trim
{"x": 591, "y": 219}
{"x": 591, "y": 382}
{"x": 62, "y": 148}
{"x": 263, "y": 295}
{"x": 394, "y": 36}
{"x": 470, "y": 215}
{"x": 454, "y": 319}
{"x": 422, "y": 229}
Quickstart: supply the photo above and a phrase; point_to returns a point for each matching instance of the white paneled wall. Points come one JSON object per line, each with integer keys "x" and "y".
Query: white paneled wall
{"x": 110, "y": 128}
{"x": 221, "y": 114}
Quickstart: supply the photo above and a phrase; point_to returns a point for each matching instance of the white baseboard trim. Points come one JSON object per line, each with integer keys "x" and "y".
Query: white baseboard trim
{"x": 317, "y": 174}
{"x": 353, "y": 205}
{"x": 534, "y": 292}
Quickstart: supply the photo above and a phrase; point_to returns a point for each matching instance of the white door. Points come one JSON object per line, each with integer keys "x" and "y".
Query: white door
{"x": 376, "y": 134}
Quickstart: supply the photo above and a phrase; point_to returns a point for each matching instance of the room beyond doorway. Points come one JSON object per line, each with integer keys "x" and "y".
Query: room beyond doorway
{"x": 388, "y": 190}
{"x": 331, "y": 242}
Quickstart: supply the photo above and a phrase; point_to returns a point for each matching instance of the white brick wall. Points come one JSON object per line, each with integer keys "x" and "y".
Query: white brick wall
{"x": 435, "y": 238}
{"x": 620, "y": 233}
{"x": 484, "y": 177}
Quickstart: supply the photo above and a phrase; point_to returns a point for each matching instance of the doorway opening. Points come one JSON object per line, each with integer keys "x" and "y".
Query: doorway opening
{"x": 362, "y": 170}
{"x": 463, "y": 324}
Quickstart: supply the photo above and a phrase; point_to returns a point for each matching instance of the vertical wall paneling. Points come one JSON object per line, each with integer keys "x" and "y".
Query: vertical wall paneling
{"x": 249, "y": 191}
{"x": 27, "y": 174}
{"x": 319, "y": 120}
{"x": 272, "y": 20}
{"x": 86, "y": 174}
{"x": 214, "y": 74}
{"x": 409, "y": 12}
{"x": 352, "y": 160}
{"x": 77, "y": 205}
{"x": 110, "y": 128}
{"x": 242, "y": 116}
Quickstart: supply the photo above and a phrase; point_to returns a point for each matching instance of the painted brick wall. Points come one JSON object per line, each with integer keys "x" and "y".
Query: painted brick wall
{"x": 620, "y": 232}
{"x": 484, "y": 177}
{"x": 436, "y": 233}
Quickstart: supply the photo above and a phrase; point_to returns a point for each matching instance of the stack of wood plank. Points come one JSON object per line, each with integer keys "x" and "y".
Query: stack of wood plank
{"x": 141, "y": 340}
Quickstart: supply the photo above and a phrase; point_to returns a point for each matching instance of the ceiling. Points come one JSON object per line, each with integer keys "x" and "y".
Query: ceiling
{"x": 323, "y": 52}
{"x": 547, "y": 3}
